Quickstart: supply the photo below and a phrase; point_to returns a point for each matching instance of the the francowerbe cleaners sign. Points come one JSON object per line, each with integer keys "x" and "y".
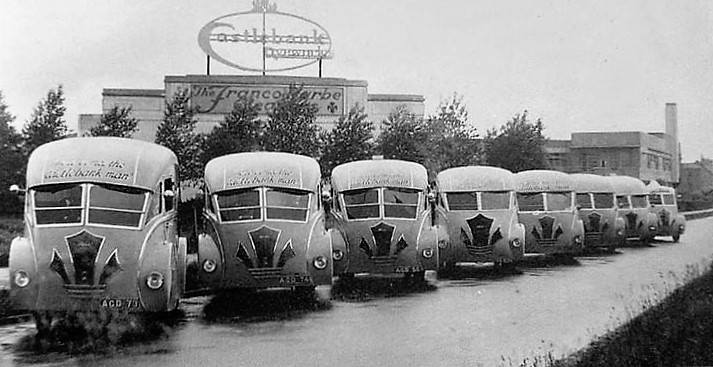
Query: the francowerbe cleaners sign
{"x": 264, "y": 39}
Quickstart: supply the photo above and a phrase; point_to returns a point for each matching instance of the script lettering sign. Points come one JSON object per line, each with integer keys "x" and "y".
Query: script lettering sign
{"x": 220, "y": 98}
{"x": 264, "y": 39}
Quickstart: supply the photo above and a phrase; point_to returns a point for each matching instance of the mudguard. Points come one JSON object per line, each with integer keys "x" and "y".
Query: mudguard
{"x": 181, "y": 266}
{"x": 517, "y": 232}
{"x": 22, "y": 258}
{"x": 679, "y": 224}
{"x": 339, "y": 245}
{"x": 578, "y": 230}
{"x": 208, "y": 250}
{"x": 432, "y": 236}
{"x": 650, "y": 221}
{"x": 156, "y": 255}
{"x": 619, "y": 227}
{"x": 320, "y": 244}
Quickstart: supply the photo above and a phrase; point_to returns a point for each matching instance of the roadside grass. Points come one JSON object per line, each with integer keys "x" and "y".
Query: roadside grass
{"x": 10, "y": 227}
{"x": 674, "y": 329}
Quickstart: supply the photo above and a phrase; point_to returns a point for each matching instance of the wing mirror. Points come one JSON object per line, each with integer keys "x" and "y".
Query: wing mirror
{"x": 431, "y": 197}
{"x": 15, "y": 189}
{"x": 326, "y": 197}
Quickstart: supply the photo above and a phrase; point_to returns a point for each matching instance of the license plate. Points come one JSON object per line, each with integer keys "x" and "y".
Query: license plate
{"x": 120, "y": 303}
{"x": 295, "y": 279}
{"x": 408, "y": 269}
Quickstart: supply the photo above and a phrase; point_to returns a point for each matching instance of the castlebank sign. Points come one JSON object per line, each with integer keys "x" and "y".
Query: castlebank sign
{"x": 264, "y": 39}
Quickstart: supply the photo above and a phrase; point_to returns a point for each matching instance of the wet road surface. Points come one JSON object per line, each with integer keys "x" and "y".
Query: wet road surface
{"x": 478, "y": 318}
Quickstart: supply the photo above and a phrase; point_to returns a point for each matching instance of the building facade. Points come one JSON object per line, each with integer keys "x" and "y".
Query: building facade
{"x": 213, "y": 96}
{"x": 648, "y": 156}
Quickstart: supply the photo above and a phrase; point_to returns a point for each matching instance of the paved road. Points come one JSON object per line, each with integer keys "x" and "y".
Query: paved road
{"x": 478, "y": 319}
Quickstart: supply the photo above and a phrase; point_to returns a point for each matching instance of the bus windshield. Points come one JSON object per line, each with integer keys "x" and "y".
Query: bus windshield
{"x": 559, "y": 200}
{"x": 603, "y": 200}
{"x": 239, "y": 205}
{"x": 116, "y": 205}
{"x": 462, "y": 200}
{"x": 622, "y": 201}
{"x": 530, "y": 202}
{"x": 493, "y": 200}
{"x": 400, "y": 202}
{"x": 287, "y": 204}
{"x": 584, "y": 201}
{"x": 639, "y": 201}
{"x": 361, "y": 204}
{"x": 668, "y": 199}
{"x": 58, "y": 204}
{"x": 655, "y": 199}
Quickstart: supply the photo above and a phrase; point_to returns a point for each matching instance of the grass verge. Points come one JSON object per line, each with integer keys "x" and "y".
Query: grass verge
{"x": 678, "y": 331}
{"x": 10, "y": 227}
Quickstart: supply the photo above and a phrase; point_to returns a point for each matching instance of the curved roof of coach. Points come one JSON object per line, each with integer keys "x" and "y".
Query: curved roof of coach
{"x": 475, "y": 178}
{"x": 627, "y": 185}
{"x": 379, "y": 173}
{"x": 254, "y": 169}
{"x": 585, "y": 182}
{"x": 109, "y": 160}
{"x": 543, "y": 181}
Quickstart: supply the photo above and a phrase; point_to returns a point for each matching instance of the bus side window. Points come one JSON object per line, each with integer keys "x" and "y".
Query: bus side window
{"x": 168, "y": 195}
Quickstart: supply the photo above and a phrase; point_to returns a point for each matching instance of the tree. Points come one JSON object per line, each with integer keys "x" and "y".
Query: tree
{"x": 177, "y": 132}
{"x": 47, "y": 122}
{"x": 116, "y": 122}
{"x": 239, "y": 132}
{"x": 452, "y": 142}
{"x": 291, "y": 125}
{"x": 404, "y": 136}
{"x": 351, "y": 139}
{"x": 11, "y": 161}
{"x": 517, "y": 145}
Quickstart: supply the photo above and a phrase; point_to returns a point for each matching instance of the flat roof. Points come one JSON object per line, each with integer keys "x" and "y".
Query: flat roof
{"x": 395, "y": 98}
{"x": 264, "y": 79}
{"x": 121, "y": 92}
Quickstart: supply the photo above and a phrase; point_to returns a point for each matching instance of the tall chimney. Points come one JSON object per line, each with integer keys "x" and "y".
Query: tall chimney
{"x": 672, "y": 140}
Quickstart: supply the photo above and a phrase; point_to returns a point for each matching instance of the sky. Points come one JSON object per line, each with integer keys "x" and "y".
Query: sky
{"x": 599, "y": 65}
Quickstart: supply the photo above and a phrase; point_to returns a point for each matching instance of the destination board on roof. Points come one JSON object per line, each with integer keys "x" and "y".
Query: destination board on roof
{"x": 375, "y": 180}
{"x": 115, "y": 170}
{"x": 538, "y": 186}
{"x": 481, "y": 184}
{"x": 282, "y": 177}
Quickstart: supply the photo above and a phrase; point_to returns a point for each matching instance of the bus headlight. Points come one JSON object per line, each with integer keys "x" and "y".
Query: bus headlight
{"x": 578, "y": 239}
{"x": 337, "y": 255}
{"x": 427, "y": 253}
{"x": 154, "y": 280}
{"x": 320, "y": 262}
{"x": 21, "y": 279}
{"x": 515, "y": 242}
{"x": 209, "y": 266}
